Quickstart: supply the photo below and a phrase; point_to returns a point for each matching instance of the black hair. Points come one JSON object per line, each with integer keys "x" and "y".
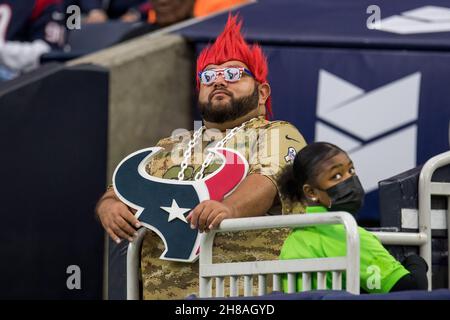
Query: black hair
{"x": 305, "y": 168}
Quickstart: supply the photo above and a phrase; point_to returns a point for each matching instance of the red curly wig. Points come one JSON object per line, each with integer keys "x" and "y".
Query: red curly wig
{"x": 230, "y": 45}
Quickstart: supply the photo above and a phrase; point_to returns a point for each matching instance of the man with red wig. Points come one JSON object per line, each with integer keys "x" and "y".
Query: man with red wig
{"x": 235, "y": 103}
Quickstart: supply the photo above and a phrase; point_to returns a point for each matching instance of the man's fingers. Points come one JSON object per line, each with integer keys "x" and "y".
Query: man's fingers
{"x": 120, "y": 233}
{"x": 203, "y": 218}
{"x": 216, "y": 222}
{"x": 131, "y": 219}
{"x": 212, "y": 215}
{"x": 117, "y": 219}
{"x": 116, "y": 234}
{"x": 129, "y": 230}
{"x": 113, "y": 236}
{"x": 195, "y": 214}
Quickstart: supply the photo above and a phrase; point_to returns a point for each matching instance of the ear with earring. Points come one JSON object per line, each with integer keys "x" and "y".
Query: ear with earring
{"x": 309, "y": 193}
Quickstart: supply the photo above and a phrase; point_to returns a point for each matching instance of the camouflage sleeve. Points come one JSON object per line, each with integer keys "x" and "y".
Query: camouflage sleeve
{"x": 276, "y": 146}
{"x": 166, "y": 144}
{"x": 172, "y": 151}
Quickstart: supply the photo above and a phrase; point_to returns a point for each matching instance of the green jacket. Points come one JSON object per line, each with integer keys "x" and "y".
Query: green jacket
{"x": 379, "y": 270}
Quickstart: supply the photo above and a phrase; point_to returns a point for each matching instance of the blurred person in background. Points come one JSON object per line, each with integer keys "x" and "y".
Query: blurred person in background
{"x": 167, "y": 12}
{"x": 159, "y": 13}
{"x": 28, "y": 29}
{"x": 99, "y": 11}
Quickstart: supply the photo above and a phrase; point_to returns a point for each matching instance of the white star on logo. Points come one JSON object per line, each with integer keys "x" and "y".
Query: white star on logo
{"x": 176, "y": 212}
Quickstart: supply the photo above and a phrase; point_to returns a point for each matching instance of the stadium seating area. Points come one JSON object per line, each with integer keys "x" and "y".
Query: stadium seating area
{"x": 122, "y": 86}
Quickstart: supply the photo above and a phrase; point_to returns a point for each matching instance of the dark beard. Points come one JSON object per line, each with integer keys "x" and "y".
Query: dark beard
{"x": 233, "y": 110}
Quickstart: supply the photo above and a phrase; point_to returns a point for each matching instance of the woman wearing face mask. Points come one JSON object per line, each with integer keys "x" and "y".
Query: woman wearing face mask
{"x": 323, "y": 178}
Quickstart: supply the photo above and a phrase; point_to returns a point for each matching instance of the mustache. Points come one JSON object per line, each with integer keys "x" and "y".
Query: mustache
{"x": 221, "y": 90}
{"x": 230, "y": 110}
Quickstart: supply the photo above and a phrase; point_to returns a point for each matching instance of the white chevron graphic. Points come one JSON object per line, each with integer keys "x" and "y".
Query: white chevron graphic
{"x": 364, "y": 116}
{"x": 427, "y": 19}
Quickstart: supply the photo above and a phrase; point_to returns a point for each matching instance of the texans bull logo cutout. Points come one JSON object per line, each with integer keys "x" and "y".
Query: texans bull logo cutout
{"x": 162, "y": 204}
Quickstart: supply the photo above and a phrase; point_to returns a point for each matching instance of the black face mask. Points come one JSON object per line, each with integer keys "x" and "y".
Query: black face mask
{"x": 347, "y": 195}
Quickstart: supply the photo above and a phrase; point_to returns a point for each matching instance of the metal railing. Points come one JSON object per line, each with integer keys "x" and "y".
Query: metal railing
{"x": 427, "y": 188}
{"x": 133, "y": 254}
{"x": 348, "y": 263}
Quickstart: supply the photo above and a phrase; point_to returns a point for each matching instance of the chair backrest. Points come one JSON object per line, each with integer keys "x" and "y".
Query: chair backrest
{"x": 399, "y": 197}
{"x": 427, "y": 188}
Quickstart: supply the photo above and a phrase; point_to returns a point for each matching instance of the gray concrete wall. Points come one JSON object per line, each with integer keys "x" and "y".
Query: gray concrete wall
{"x": 151, "y": 81}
